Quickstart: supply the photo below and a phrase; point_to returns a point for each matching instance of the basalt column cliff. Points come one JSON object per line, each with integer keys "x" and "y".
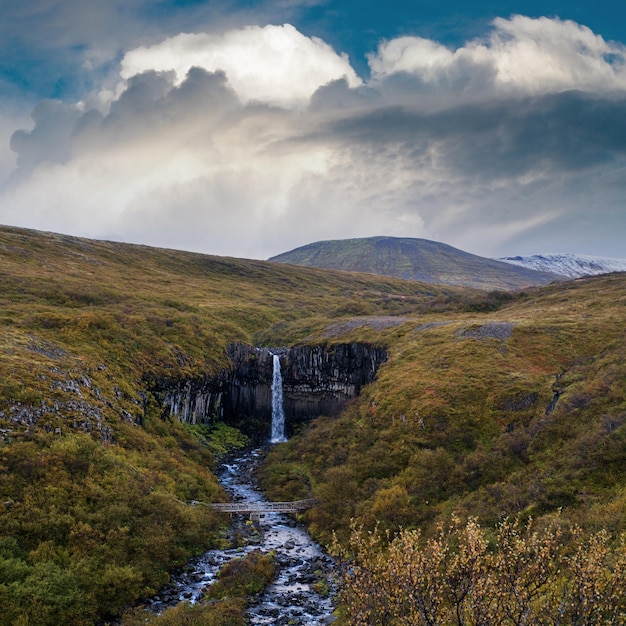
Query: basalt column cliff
{"x": 317, "y": 380}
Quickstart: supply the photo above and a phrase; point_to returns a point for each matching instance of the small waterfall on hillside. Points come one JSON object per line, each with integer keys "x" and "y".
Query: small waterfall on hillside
{"x": 278, "y": 415}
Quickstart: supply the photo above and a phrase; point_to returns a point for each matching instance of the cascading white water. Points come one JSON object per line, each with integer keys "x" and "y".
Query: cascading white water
{"x": 278, "y": 414}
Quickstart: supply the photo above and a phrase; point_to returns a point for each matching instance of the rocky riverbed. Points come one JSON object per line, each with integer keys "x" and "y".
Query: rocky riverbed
{"x": 303, "y": 591}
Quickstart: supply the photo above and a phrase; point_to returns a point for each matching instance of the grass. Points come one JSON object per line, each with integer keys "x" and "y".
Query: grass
{"x": 458, "y": 424}
{"x": 96, "y": 479}
{"x": 416, "y": 259}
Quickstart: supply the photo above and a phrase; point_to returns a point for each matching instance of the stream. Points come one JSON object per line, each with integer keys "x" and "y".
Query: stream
{"x": 301, "y": 594}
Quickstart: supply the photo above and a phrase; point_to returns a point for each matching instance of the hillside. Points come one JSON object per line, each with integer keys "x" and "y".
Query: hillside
{"x": 415, "y": 259}
{"x": 490, "y": 404}
{"x": 570, "y": 265}
{"x": 517, "y": 412}
{"x": 94, "y": 474}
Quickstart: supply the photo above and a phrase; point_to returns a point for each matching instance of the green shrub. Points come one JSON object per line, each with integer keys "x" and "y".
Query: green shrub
{"x": 244, "y": 577}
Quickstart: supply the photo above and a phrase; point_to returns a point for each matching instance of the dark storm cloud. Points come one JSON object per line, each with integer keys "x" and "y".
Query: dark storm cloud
{"x": 150, "y": 104}
{"x": 337, "y": 95}
{"x": 507, "y": 137}
{"x": 50, "y": 139}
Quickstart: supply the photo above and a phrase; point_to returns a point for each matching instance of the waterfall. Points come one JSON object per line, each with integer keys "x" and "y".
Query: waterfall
{"x": 278, "y": 415}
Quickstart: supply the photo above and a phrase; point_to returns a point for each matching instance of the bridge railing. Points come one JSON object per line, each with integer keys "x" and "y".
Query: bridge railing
{"x": 260, "y": 507}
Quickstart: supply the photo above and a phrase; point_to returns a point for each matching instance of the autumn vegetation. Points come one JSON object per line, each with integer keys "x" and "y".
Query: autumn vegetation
{"x": 224, "y": 602}
{"x": 464, "y": 576}
{"x": 497, "y": 428}
{"x": 94, "y": 478}
{"x": 517, "y": 413}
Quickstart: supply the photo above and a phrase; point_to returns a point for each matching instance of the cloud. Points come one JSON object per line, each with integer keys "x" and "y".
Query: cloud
{"x": 64, "y": 48}
{"x": 271, "y": 64}
{"x": 520, "y": 55}
{"x": 51, "y": 137}
{"x": 548, "y": 134}
{"x": 261, "y": 139}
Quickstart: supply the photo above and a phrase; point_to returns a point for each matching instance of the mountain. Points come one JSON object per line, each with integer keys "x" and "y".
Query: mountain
{"x": 570, "y": 265}
{"x": 415, "y": 259}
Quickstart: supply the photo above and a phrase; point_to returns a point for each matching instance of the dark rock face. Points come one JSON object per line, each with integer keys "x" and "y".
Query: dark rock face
{"x": 317, "y": 380}
{"x": 192, "y": 401}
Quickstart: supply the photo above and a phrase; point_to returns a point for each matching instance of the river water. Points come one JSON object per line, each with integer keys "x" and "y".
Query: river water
{"x": 302, "y": 593}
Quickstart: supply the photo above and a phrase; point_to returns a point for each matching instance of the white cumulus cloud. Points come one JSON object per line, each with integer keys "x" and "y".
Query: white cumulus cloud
{"x": 272, "y": 64}
{"x": 521, "y": 53}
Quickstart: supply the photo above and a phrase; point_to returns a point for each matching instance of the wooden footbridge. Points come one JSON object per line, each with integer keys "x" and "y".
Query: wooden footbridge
{"x": 255, "y": 509}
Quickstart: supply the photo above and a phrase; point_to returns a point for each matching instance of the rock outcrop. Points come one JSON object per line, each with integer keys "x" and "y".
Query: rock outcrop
{"x": 317, "y": 380}
{"x": 194, "y": 401}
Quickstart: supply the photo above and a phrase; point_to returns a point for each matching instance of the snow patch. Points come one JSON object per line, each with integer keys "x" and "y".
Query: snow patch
{"x": 570, "y": 265}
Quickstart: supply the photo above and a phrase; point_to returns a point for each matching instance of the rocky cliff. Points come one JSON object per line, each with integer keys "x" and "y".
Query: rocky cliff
{"x": 317, "y": 380}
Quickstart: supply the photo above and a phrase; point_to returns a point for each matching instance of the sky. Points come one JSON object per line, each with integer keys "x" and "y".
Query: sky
{"x": 248, "y": 128}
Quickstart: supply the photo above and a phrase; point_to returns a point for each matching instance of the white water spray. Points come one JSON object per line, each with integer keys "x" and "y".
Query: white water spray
{"x": 278, "y": 414}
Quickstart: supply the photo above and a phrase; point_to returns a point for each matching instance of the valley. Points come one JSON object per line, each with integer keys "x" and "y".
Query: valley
{"x": 487, "y": 405}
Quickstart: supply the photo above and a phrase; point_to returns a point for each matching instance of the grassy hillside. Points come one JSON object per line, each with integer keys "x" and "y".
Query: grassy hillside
{"x": 462, "y": 420}
{"x": 93, "y": 480}
{"x": 75, "y": 302}
{"x": 415, "y": 259}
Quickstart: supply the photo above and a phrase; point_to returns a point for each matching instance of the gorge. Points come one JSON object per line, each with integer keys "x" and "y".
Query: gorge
{"x": 266, "y": 393}
{"x": 110, "y": 352}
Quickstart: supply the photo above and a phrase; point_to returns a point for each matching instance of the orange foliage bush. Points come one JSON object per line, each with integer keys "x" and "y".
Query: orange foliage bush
{"x": 466, "y": 576}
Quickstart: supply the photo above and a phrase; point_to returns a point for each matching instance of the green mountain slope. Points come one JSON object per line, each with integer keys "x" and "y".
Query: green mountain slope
{"x": 414, "y": 259}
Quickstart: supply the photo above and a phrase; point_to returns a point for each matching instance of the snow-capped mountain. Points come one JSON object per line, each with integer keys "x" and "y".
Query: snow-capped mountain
{"x": 571, "y": 265}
